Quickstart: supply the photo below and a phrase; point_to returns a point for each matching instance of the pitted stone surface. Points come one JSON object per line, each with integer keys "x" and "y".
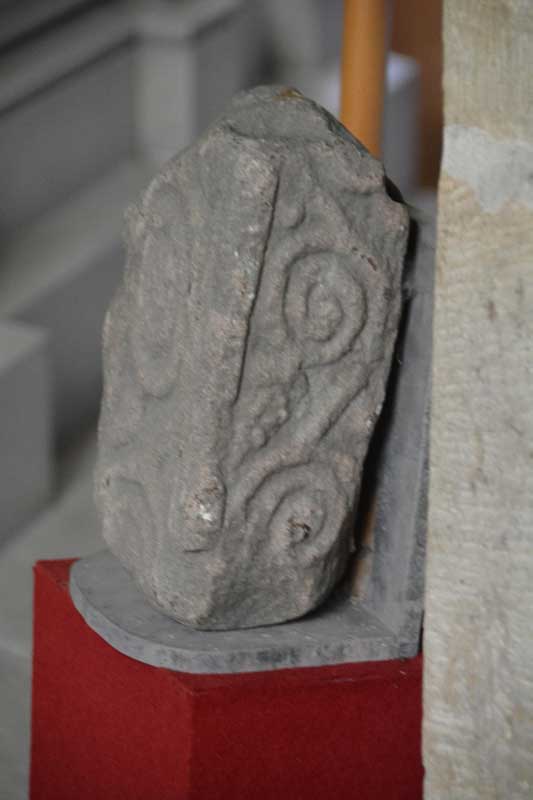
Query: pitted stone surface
{"x": 245, "y": 362}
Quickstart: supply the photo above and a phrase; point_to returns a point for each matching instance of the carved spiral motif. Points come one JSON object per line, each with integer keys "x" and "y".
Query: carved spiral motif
{"x": 324, "y": 306}
{"x": 301, "y": 509}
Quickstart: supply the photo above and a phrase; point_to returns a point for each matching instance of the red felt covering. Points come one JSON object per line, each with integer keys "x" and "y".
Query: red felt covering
{"x": 106, "y": 727}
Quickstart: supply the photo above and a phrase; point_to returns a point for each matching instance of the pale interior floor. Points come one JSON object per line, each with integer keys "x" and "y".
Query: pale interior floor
{"x": 67, "y": 528}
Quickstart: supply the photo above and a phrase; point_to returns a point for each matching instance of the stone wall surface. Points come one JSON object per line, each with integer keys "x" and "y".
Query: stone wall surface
{"x": 478, "y": 718}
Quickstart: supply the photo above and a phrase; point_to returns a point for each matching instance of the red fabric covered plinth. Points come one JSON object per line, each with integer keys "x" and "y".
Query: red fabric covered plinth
{"x": 106, "y": 727}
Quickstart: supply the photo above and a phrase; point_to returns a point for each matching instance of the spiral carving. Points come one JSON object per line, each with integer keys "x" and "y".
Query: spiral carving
{"x": 300, "y": 509}
{"x": 324, "y": 306}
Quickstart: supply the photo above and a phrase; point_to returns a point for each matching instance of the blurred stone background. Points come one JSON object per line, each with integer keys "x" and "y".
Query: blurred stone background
{"x": 93, "y": 97}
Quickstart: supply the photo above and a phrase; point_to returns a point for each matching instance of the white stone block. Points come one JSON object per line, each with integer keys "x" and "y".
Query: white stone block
{"x": 68, "y": 528}
{"x": 478, "y": 642}
{"x": 190, "y": 61}
{"x": 25, "y": 425}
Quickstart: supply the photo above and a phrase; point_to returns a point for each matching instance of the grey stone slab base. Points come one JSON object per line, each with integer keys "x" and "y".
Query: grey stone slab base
{"x": 114, "y": 607}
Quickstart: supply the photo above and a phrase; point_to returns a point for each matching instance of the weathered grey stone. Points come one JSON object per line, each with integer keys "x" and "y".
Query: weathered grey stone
{"x": 246, "y": 358}
{"x": 379, "y": 616}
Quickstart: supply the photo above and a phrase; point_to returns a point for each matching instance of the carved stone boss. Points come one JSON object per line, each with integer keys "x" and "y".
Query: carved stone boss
{"x": 245, "y": 361}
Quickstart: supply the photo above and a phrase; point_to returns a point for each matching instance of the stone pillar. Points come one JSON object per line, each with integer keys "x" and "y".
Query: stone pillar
{"x": 191, "y": 58}
{"x": 478, "y": 726}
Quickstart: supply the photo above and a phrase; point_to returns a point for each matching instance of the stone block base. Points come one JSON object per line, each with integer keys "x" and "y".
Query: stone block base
{"x": 105, "y": 726}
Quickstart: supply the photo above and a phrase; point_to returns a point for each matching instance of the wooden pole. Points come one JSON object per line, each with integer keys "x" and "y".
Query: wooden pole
{"x": 363, "y": 69}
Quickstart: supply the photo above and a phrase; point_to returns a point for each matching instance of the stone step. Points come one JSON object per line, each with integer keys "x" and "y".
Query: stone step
{"x": 90, "y": 102}
{"x": 26, "y": 466}
{"x": 61, "y": 275}
{"x": 66, "y": 113}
